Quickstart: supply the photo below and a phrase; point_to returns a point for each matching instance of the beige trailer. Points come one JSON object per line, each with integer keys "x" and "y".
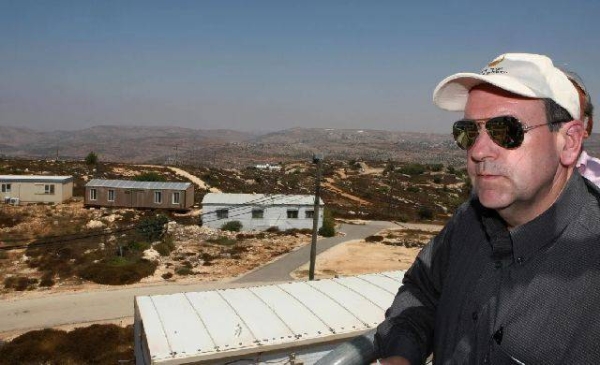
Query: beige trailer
{"x": 17, "y": 189}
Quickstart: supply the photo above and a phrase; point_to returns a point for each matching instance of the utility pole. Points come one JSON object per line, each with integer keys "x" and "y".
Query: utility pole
{"x": 317, "y": 159}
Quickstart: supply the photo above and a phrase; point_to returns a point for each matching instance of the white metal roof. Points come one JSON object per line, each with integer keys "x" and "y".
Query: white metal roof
{"x": 258, "y": 199}
{"x": 226, "y": 322}
{"x": 35, "y": 178}
{"x": 130, "y": 184}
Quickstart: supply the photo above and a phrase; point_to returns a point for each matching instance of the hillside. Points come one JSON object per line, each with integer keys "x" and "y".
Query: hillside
{"x": 225, "y": 148}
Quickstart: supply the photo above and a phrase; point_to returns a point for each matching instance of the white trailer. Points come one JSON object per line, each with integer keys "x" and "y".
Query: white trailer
{"x": 290, "y": 323}
{"x": 260, "y": 211}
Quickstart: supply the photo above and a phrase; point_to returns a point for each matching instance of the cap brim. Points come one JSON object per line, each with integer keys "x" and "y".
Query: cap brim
{"x": 452, "y": 92}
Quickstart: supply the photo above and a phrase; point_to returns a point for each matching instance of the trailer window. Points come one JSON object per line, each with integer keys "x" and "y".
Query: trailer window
{"x": 310, "y": 213}
{"x": 93, "y": 194}
{"x": 158, "y": 197}
{"x": 6, "y": 188}
{"x": 176, "y": 198}
{"x": 292, "y": 214}
{"x": 258, "y": 213}
{"x": 49, "y": 189}
{"x": 111, "y": 196}
{"x": 222, "y": 213}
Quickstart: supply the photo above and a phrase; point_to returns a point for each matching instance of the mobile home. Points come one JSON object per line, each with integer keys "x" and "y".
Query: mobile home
{"x": 139, "y": 194}
{"x": 260, "y": 211}
{"x": 36, "y": 188}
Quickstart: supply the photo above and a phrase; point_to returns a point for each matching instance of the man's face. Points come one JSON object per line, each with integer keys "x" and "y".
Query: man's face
{"x": 519, "y": 183}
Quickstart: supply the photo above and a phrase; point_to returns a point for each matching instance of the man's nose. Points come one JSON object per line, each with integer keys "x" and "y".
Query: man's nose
{"x": 484, "y": 147}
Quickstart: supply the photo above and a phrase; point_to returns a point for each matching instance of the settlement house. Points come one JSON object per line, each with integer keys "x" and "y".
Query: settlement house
{"x": 139, "y": 194}
{"x": 260, "y": 211}
{"x": 17, "y": 189}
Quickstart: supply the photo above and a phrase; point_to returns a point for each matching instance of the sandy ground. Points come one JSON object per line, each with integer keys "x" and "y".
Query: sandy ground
{"x": 359, "y": 257}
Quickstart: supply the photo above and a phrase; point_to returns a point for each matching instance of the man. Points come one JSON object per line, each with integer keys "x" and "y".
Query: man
{"x": 588, "y": 166}
{"x": 514, "y": 277}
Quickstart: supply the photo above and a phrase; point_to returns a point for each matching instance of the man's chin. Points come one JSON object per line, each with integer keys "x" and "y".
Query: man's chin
{"x": 492, "y": 200}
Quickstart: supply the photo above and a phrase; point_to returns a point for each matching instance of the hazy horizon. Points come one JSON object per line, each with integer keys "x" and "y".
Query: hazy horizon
{"x": 267, "y": 65}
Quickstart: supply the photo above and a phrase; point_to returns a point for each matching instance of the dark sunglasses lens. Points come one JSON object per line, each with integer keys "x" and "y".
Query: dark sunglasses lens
{"x": 505, "y": 131}
{"x": 465, "y": 133}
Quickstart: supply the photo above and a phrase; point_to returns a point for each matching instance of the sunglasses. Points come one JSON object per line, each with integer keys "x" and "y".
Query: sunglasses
{"x": 506, "y": 131}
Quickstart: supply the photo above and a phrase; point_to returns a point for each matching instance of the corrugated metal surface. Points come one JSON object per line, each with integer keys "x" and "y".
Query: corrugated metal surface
{"x": 128, "y": 184}
{"x": 258, "y": 199}
{"x": 35, "y": 178}
{"x": 226, "y": 322}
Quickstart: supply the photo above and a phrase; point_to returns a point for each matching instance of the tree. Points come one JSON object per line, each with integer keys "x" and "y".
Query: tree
{"x": 91, "y": 159}
{"x": 328, "y": 227}
{"x": 153, "y": 228}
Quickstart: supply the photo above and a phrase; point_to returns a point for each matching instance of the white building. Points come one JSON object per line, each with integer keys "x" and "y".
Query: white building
{"x": 35, "y": 188}
{"x": 268, "y": 167}
{"x": 260, "y": 211}
{"x": 288, "y": 323}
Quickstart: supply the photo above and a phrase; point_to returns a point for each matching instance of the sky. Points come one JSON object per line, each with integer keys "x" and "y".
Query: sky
{"x": 264, "y": 66}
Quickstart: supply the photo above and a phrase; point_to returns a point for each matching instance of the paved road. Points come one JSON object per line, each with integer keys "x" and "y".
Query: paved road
{"x": 20, "y": 315}
{"x": 280, "y": 269}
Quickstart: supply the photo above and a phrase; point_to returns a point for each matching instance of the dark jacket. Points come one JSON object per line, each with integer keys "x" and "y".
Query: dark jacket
{"x": 479, "y": 294}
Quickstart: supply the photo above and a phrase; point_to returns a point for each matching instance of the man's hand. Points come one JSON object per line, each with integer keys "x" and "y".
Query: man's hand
{"x": 394, "y": 360}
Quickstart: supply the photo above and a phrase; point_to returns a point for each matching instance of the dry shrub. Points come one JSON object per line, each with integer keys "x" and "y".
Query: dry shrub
{"x": 96, "y": 344}
{"x": 222, "y": 240}
{"x": 374, "y": 238}
{"x": 47, "y": 280}
{"x": 41, "y": 347}
{"x": 167, "y": 275}
{"x": 20, "y": 283}
{"x": 183, "y": 271}
{"x": 118, "y": 272}
{"x": 100, "y": 344}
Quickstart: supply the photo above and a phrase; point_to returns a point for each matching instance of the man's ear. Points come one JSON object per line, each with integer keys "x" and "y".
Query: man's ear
{"x": 573, "y": 134}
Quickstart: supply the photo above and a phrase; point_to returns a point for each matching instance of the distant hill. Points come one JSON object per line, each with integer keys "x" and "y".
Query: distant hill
{"x": 234, "y": 149}
{"x": 113, "y": 143}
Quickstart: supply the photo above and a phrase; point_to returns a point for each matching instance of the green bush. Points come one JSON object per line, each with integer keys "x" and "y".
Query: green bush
{"x": 138, "y": 246}
{"x": 153, "y": 228}
{"x": 232, "y": 226}
{"x": 412, "y": 169}
{"x": 164, "y": 248}
{"x": 328, "y": 227}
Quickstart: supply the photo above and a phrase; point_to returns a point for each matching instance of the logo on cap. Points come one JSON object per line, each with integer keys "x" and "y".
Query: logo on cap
{"x": 492, "y": 69}
{"x": 495, "y": 62}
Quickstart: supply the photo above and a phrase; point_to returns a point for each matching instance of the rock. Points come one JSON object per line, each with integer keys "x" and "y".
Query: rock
{"x": 94, "y": 224}
{"x": 151, "y": 255}
{"x": 111, "y": 218}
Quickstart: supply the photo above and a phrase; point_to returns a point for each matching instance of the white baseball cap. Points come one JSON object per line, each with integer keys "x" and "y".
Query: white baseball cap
{"x": 525, "y": 74}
